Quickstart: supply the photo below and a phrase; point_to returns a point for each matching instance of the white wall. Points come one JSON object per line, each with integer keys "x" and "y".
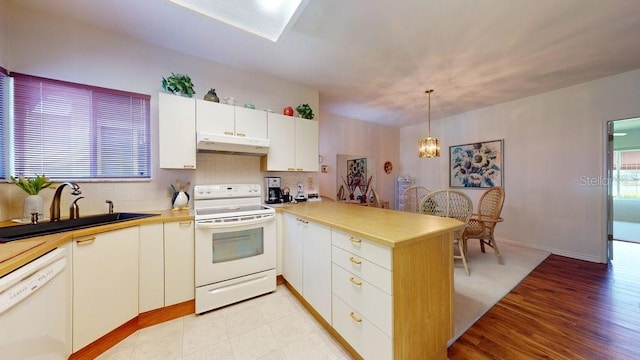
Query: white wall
{"x": 3, "y": 33}
{"x": 62, "y": 49}
{"x": 340, "y": 135}
{"x": 554, "y": 155}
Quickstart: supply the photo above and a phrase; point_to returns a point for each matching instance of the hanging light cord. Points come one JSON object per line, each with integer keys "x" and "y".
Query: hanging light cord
{"x": 429, "y": 91}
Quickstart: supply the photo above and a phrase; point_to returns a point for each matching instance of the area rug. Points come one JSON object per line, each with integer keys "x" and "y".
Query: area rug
{"x": 488, "y": 281}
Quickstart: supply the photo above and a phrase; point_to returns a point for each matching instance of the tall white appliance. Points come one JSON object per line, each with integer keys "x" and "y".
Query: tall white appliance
{"x": 235, "y": 244}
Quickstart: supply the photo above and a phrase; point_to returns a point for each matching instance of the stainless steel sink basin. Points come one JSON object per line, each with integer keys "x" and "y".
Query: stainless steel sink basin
{"x": 18, "y": 232}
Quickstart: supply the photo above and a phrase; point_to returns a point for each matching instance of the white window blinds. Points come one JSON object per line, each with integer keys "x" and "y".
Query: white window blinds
{"x": 70, "y": 131}
{"x": 4, "y": 116}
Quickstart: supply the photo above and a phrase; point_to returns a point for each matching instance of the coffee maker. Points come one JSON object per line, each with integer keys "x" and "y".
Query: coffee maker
{"x": 273, "y": 194}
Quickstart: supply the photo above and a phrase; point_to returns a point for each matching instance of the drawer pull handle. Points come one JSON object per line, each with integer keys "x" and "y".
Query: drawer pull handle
{"x": 184, "y": 223}
{"x": 355, "y": 281}
{"x": 86, "y": 241}
{"x": 355, "y": 318}
{"x": 228, "y": 132}
{"x": 355, "y": 261}
{"x": 354, "y": 240}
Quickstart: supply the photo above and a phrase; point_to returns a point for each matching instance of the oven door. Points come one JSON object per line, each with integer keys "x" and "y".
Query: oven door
{"x": 224, "y": 252}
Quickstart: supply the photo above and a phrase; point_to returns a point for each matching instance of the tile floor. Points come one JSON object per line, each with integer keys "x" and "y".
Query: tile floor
{"x": 272, "y": 326}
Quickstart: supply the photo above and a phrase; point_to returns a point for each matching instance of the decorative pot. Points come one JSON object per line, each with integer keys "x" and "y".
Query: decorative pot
{"x": 180, "y": 200}
{"x": 33, "y": 204}
{"x": 211, "y": 96}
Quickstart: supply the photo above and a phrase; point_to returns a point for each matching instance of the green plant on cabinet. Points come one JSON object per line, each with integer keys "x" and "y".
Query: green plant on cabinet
{"x": 178, "y": 84}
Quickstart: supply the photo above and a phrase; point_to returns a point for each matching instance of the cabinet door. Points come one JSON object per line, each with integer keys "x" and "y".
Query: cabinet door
{"x": 251, "y": 123}
{"x": 105, "y": 283}
{"x": 151, "y": 267}
{"x": 177, "y": 132}
{"x": 316, "y": 267}
{"x": 306, "y": 141}
{"x": 179, "y": 285}
{"x": 292, "y": 252}
{"x": 215, "y": 118}
{"x": 281, "y": 131}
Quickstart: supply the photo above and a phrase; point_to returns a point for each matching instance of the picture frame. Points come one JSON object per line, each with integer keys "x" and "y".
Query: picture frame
{"x": 476, "y": 165}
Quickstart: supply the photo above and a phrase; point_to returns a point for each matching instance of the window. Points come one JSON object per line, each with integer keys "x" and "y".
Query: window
{"x": 626, "y": 174}
{"x": 70, "y": 131}
{"x": 4, "y": 115}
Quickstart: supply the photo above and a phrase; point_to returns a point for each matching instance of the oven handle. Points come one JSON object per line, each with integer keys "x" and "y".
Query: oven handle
{"x": 203, "y": 224}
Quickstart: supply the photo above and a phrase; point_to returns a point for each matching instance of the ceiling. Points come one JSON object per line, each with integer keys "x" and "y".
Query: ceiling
{"x": 372, "y": 60}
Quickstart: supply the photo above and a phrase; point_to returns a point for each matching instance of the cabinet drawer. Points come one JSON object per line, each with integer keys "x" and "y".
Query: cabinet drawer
{"x": 362, "y": 296}
{"x": 357, "y": 330}
{"x": 363, "y": 268}
{"x": 374, "y": 252}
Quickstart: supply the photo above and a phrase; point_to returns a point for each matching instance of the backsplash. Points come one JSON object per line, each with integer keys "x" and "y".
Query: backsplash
{"x": 156, "y": 195}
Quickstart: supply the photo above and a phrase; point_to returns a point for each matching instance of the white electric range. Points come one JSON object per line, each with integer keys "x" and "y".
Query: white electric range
{"x": 235, "y": 244}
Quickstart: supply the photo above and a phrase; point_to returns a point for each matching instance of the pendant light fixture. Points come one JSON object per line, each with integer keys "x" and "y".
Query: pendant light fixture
{"x": 429, "y": 147}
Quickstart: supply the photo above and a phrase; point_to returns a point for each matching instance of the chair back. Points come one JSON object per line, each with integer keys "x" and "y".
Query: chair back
{"x": 490, "y": 205}
{"x": 448, "y": 203}
{"x": 412, "y": 196}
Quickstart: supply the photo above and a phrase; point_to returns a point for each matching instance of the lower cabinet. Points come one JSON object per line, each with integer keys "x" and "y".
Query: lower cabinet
{"x": 151, "y": 269}
{"x": 179, "y": 276}
{"x": 105, "y": 283}
{"x": 166, "y": 264}
{"x": 363, "y": 294}
{"x": 307, "y": 261}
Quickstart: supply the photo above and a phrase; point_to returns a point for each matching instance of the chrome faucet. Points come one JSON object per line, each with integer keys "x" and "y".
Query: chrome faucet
{"x": 55, "y": 203}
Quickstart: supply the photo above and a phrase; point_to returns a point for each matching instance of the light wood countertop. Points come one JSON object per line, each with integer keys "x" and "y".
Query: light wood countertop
{"x": 46, "y": 243}
{"x": 389, "y": 227}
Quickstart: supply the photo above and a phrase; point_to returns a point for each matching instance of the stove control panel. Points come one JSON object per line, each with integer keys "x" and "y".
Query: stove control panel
{"x": 221, "y": 191}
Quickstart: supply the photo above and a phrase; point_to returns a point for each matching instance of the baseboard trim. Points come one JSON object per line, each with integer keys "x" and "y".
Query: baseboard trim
{"x": 141, "y": 321}
{"x": 555, "y": 251}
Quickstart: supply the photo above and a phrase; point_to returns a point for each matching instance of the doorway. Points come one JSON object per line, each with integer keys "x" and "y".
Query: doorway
{"x": 623, "y": 170}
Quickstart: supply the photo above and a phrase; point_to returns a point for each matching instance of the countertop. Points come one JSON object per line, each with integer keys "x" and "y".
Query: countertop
{"x": 46, "y": 243}
{"x": 389, "y": 227}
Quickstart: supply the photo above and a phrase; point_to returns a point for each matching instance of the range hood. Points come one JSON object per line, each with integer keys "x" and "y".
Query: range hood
{"x": 232, "y": 144}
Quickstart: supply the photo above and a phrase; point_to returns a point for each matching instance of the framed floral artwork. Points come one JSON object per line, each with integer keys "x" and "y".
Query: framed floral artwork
{"x": 476, "y": 165}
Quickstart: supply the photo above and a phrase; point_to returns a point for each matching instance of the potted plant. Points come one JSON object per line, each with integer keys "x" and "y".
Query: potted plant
{"x": 178, "y": 84}
{"x": 305, "y": 111}
{"x": 33, "y": 203}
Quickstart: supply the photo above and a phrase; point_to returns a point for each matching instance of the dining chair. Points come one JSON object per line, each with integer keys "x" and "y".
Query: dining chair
{"x": 452, "y": 204}
{"x": 412, "y": 196}
{"x": 483, "y": 223}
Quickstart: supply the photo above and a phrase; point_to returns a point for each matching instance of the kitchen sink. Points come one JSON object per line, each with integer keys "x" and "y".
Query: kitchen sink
{"x": 11, "y": 233}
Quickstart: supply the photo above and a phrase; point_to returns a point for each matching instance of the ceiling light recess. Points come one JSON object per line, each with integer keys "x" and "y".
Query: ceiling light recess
{"x": 265, "y": 18}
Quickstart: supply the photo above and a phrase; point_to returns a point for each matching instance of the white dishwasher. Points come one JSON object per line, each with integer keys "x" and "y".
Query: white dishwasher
{"x": 35, "y": 309}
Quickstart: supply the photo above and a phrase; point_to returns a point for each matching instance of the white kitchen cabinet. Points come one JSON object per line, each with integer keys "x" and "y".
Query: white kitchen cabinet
{"x": 105, "y": 283}
{"x": 179, "y": 277}
{"x": 307, "y": 152}
{"x": 294, "y": 144}
{"x": 292, "y": 252}
{"x": 362, "y": 288}
{"x": 177, "y": 131}
{"x": 151, "y": 267}
{"x": 216, "y": 118}
{"x": 307, "y": 261}
{"x": 316, "y": 267}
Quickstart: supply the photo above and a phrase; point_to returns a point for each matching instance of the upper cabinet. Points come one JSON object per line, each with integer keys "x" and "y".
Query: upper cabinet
{"x": 294, "y": 144}
{"x": 177, "y": 131}
{"x": 216, "y": 118}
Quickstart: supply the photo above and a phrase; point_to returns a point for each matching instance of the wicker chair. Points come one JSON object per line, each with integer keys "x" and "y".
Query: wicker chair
{"x": 452, "y": 204}
{"x": 482, "y": 224}
{"x": 412, "y": 196}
